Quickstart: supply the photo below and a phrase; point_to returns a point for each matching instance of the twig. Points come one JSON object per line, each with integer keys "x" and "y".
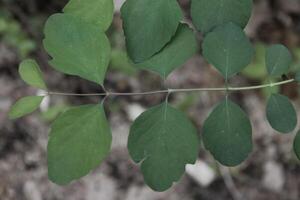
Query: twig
{"x": 176, "y": 90}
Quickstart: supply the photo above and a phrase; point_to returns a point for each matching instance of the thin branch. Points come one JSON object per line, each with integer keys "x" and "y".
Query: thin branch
{"x": 168, "y": 91}
{"x": 75, "y": 94}
{"x": 262, "y": 86}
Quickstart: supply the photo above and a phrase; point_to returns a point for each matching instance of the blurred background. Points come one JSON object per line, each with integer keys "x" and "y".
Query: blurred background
{"x": 271, "y": 172}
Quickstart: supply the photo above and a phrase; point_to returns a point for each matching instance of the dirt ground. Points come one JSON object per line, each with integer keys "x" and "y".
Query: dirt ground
{"x": 272, "y": 171}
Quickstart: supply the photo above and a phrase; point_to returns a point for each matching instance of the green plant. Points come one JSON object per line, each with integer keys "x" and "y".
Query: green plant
{"x": 162, "y": 139}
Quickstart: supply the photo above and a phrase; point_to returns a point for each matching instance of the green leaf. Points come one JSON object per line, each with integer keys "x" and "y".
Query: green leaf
{"x": 278, "y": 60}
{"x": 257, "y": 69}
{"x": 227, "y": 134}
{"x": 98, "y": 12}
{"x": 207, "y": 15}
{"x": 25, "y": 106}
{"x": 77, "y": 48}
{"x": 281, "y": 113}
{"x": 51, "y": 113}
{"x": 80, "y": 139}
{"x": 149, "y": 25}
{"x": 31, "y": 74}
{"x": 228, "y": 49}
{"x": 164, "y": 141}
{"x": 297, "y": 145}
{"x": 297, "y": 77}
{"x": 169, "y": 58}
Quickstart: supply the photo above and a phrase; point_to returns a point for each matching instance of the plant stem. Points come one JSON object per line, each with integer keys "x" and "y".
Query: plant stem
{"x": 75, "y": 94}
{"x": 175, "y": 90}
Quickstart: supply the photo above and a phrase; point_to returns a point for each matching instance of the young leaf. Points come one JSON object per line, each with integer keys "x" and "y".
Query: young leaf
{"x": 227, "y": 134}
{"x": 281, "y": 113}
{"x": 257, "y": 69}
{"x": 149, "y": 25}
{"x": 31, "y": 74}
{"x": 297, "y": 145}
{"x": 228, "y": 49}
{"x": 77, "y": 48}
{"x": 210, "y": 14}
{"x": 164, "y": 141}
{"x": 278, "y": 60}
{"x": 98, "y": 12}
{"x": 25, "y": 106}
{"x": 169, "y": 57}
{"x": 79, "y": 140}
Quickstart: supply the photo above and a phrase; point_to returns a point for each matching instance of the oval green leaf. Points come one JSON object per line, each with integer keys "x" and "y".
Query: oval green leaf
{"x": 79, "y": 140}
{"x": 228, "y": 49}
{"x": 169, "y": 58}
{"x": 25, "y": 106}
{"x": 149, "y": 25}
{"x": 30, "y": 72}
{"x": 98, "y": 12}
{"x": 164, "y": 140}
{"x": 278, "y": 60}
{"x": 227, "y": 134}
{"x": 281, "y": 113}
{"x": 297, "y": 145}
{"x": 76, "y": 47}
{"x": 208, "y": 14}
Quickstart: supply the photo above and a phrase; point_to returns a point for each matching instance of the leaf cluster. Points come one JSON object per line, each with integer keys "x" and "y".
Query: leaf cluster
{"x": 162, "y": 140}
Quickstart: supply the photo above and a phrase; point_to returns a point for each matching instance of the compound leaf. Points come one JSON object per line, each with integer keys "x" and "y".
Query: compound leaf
{"x": 228, "y": 49}
{"x": 164, "y": 140}
{"x": 31, "y": 74}
{"x": 278, "y": 60}
{"x": 149, "y": 25}
{"x": 207, "y": 15}
{"x": 227, "y": 134}
{"x": 169, "y": 57}
{"x": 297, "y": 145}
{"x": 79, "y": 140}
{"x": 24, "y": 106}
{"x": 281, "y": 113}
{"x": 77, "y": 48}
{"x": 98, "y": 12}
